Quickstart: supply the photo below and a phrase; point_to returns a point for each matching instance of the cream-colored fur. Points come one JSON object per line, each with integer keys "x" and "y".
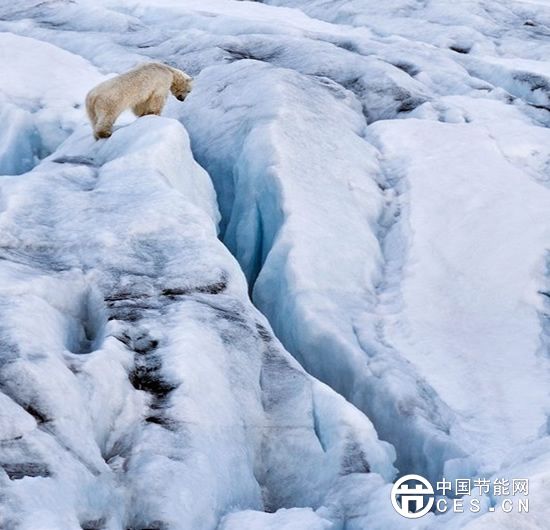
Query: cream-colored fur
{"x": 143, "y": 89}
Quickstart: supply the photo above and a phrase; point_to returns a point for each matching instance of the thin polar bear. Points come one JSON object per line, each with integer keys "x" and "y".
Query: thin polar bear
{"x": 143, "y": 89}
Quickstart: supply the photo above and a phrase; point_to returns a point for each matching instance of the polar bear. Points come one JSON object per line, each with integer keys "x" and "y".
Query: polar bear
{"x": 143, "y": 89}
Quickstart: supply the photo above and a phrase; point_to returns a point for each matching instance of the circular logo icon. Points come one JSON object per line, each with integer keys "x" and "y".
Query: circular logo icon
{"x": 412, "y": 496}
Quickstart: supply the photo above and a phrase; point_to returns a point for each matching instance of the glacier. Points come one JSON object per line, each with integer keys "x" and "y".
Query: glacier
{"x": 328, "y": 268}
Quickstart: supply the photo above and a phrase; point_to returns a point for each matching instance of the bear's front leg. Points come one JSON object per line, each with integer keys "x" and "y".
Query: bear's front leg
{"x": 140, "y": 109}
{"x": 152, "y": 105}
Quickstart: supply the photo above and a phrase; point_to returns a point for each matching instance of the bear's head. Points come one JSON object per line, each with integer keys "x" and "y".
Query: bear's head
{"x": 181, "y": 84}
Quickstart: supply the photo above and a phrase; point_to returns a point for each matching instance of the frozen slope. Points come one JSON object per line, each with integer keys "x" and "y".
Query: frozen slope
{"x": 469, "y": 304}
{"x": 382, "y": 174}
{"x": 140, "y": 388}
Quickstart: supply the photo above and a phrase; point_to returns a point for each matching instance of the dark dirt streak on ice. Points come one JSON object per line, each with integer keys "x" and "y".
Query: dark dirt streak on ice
{"x": 43, "y": 422}
{"x": 147, "y": 374}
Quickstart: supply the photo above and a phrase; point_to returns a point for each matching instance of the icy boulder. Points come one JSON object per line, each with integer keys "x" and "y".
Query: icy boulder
{"x": 139, "y": 386}
{"x": 42, "y": 89}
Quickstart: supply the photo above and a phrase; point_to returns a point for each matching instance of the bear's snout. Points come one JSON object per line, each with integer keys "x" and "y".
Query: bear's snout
{"x": 181, "y": 98}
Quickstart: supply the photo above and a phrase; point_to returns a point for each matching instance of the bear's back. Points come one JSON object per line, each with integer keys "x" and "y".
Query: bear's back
{"x": 145, "y": 78}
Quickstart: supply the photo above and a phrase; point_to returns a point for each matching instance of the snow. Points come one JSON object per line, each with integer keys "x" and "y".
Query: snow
{"x": 374, "y": 176}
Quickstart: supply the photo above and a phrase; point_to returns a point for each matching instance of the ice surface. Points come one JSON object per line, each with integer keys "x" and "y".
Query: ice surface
{"x": 382, "y": 179}
{"x": 141, "y": 388}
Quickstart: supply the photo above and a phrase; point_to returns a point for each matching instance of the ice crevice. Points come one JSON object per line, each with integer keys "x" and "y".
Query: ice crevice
{"x": 265, "y": 185}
